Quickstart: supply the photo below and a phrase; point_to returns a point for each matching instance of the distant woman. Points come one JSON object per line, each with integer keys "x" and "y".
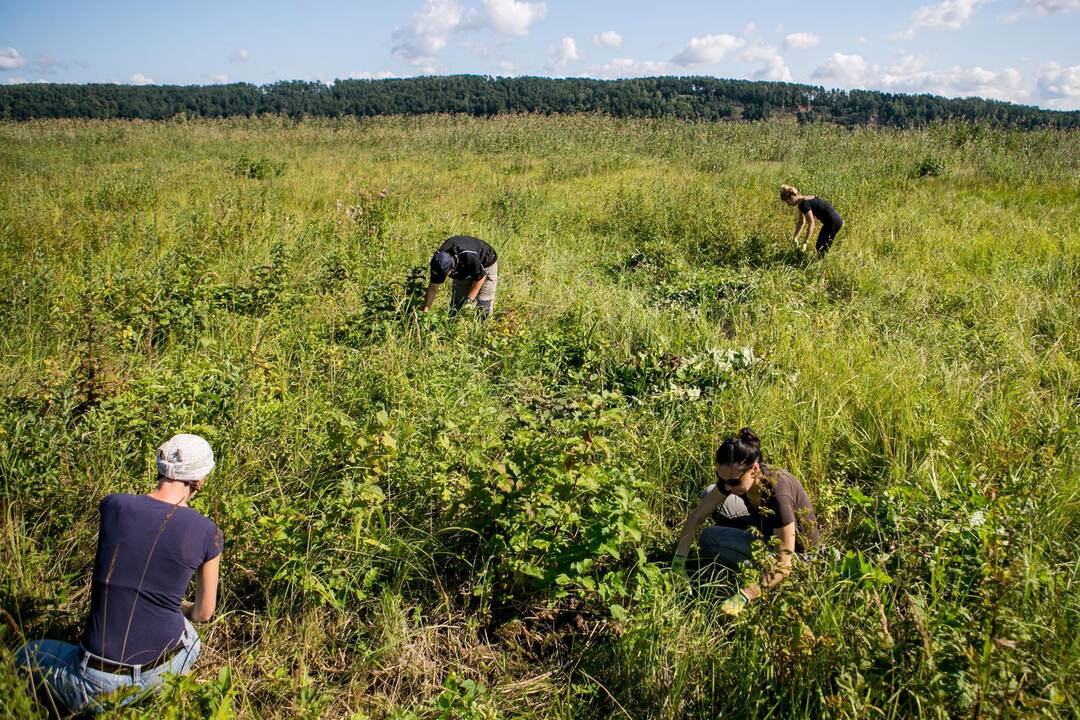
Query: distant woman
{"x": 139, "y": 628}
{"x": 813, "y": 209}
{"x": 755, "y": 501}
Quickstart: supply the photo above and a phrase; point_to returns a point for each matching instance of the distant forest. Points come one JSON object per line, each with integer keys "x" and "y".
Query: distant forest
{"x": 689, "y": 98}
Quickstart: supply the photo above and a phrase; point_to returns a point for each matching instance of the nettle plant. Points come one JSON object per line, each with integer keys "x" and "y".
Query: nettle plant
{"x": 556, "y": 514}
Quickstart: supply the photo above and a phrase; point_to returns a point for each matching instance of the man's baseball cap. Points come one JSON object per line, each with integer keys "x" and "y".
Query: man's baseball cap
{"x": 442, "y": 263}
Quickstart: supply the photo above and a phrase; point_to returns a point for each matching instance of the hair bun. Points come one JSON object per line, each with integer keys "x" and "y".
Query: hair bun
{"x": 749, "y": 437}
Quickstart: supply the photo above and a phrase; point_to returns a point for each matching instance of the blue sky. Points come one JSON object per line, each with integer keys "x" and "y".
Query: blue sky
{"x": 1020, "y": 50}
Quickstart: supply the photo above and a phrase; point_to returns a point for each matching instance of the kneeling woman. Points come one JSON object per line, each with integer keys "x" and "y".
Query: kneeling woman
{"x": 139, "y": 628}
{"x": 750, "y": 496}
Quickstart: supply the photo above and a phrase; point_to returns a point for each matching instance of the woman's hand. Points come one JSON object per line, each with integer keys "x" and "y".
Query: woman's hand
{"x": 734, "y": 604}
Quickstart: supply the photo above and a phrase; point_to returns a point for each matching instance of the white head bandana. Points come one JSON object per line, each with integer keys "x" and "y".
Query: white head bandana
{"x": 185, "y": 457}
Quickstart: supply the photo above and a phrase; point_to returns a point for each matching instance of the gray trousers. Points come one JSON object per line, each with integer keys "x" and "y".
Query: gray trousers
{"x": 728, "y": 544}
{"x": 485, "y": 299}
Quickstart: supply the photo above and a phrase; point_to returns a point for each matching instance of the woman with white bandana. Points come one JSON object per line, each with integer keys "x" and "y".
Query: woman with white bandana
{"x": 139, "y": 628}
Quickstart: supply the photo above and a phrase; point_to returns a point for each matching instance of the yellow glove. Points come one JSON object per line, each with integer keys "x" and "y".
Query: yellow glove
{"x": 734, "y": 604}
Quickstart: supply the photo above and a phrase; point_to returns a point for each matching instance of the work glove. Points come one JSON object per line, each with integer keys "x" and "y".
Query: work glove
{"x": 734, "y": 604}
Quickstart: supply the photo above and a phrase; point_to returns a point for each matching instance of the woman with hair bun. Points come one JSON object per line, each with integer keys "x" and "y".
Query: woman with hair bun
{"x": 755, "y": 501}
{"x": 811, "y": 209}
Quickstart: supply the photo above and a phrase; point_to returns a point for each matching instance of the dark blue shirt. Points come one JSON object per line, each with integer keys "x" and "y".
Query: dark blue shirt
{"x": 147, "y": 552}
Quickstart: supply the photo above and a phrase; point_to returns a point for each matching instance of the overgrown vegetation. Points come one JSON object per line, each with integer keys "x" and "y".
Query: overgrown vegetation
{"x": 436, "y": 517}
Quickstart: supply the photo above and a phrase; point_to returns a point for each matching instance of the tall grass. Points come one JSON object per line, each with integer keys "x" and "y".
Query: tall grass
{"x": 438, "y": 518}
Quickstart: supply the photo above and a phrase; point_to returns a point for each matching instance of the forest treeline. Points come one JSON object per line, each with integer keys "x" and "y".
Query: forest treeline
{"x": 689, "y": 98}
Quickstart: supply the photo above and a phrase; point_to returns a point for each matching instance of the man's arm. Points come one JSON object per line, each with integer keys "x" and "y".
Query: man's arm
{"x": 206, "y": 583}
{"x": 475, "y": 289}
{"x": 429, "y": 299}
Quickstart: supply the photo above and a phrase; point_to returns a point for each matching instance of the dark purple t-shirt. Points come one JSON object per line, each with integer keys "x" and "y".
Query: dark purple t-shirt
{"x": 147, "y": 552}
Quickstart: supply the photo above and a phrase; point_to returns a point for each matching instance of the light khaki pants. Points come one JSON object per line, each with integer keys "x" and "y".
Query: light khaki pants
{"x": 485, "y": 299}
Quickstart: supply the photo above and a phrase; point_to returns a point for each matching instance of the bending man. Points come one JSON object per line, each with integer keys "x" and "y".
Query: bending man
{"x": 471, "y": 263}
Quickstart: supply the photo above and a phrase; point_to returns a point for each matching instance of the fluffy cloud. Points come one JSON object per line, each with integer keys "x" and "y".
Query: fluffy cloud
{"x": 565, "y": 52}
{"x": 10, "y": 58}
{"x": 844, "y": 70}
{"x": 608, "y": 38}
{"x": 140, "y": 79}
{"x": 240, "y": 55}
{"x": 506, "y": 17}
{"x": 946, "y": 15}
{"x": 219, "y": 79}
{"x": 426, "y": 32}
{"x": 431, "y": 27}
{"x": 911, "y": 76}
{"x": 801, "y": 41}
{"x": 1059, "y": 87}
{"x": 773, "y": 67}
{"x": 707, "y": 50}
{"x": 1045, "y": 7}
{"x": 628, "y": 67}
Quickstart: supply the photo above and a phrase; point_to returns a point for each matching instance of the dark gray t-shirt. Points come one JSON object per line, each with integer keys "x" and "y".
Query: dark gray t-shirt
{"x": 783, "y": 501}
{"x": 147, "y": 552}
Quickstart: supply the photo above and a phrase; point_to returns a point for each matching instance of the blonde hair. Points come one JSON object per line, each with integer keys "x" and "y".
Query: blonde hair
{"x": 787, "y": 192}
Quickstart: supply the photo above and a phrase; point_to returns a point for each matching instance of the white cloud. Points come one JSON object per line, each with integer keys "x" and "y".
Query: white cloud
{"x": 426, "y": 32}
{"x": 240, "y": 55}
{"x": 773, "y": 68}
{"x": 565, "y": 52}
{"x": 507, "y": 66}
{"x": 506, "y": 17}
{"x": 707, "y": 50}
{"x": 140, "y": 79}
{"x": 844, "y": 70}
{"x": 219, "y": 79}
{"x": 802, "y": 40}
{"x": 911, "y": 76}
{"x": 946, "y": 15}
{"x": 10, "y": 58}
{"x": 608, "y": 38}
{"x": 1045, "y": 7}
{"x": 1059, "y": 87}
{"x": 628, "y": 67}
{"x": 748, "y": 29}
{"x": 368, "y": 75}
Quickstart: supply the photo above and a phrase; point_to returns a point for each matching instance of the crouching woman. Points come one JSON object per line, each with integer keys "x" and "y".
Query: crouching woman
{"x": 139, "y": 628}
{"x": 752, "y": 501}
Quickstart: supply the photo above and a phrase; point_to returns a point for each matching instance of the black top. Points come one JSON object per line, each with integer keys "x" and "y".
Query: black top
{"x": 471, "y": 256}
{"x": 822, "y": 210}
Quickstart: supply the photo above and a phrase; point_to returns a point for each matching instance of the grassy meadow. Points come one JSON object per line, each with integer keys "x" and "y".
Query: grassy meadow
{"x": 437, "y": 517}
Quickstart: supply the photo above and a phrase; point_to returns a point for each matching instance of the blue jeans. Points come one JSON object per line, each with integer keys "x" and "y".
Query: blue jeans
{"x": 729, "y": 545}
{"x": 60, "y": 670}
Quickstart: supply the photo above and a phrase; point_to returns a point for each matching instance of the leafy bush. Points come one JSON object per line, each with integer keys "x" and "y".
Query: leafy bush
{"x": 930, "y": 166}
{"x": 554, "y": 510}
{"x": 257, "y": 168}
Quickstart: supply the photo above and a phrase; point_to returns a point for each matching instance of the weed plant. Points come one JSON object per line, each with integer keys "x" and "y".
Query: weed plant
{"x": 436, "y": 517}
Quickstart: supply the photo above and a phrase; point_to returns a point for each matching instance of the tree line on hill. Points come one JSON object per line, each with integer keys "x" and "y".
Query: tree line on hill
{"x": 688, "y": 98}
